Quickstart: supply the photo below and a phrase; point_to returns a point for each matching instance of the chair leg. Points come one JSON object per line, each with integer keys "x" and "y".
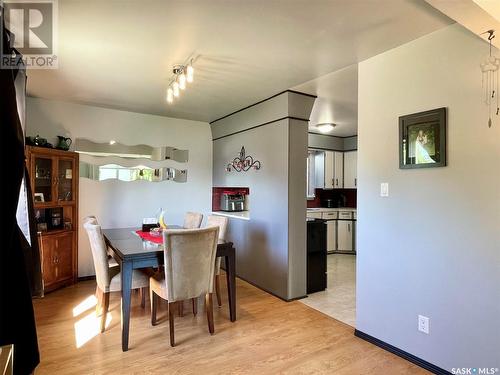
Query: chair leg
{"x": 210, "y": 312}
{"x": 217, "y": 290}
{"x": 143, "y": 297}
{"x": 180, "y": 306}
{"x": 154, "y": 304}
{"x": 105, "y": 306}
{"x": 171, "y": 313}
{"x": 98, "y": 295}
{"x": 195, "y": 305}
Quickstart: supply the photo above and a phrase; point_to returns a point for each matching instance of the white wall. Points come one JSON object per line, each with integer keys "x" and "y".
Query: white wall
{"x": 117, "y": 203}
{"x": 433, "y": 246}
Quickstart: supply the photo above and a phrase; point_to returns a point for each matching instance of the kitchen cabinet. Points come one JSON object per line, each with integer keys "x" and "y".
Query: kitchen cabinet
{"x": 351, "y": 169}
{"x": 331, "y": 236}
{"x": 345, "y": 239}
{"x": 54, "y": 178}
{"x": 334, "y": 169}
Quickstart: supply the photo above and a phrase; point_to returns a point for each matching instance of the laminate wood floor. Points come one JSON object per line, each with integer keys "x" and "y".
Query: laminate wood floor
{"x": 269, "y": 337}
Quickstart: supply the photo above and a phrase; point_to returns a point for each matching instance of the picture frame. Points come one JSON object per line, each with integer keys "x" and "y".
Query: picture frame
{"x": 422, "y": 139}
{"x": 38, "y": 197}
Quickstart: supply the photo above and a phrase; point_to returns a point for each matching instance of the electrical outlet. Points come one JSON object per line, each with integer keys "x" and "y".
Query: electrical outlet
{"x": 384, "y": 189}
{"x": 423, "y": 324}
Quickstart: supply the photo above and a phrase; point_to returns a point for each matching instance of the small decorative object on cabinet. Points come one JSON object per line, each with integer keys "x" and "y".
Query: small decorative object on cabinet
{"x": 54, "y": 181}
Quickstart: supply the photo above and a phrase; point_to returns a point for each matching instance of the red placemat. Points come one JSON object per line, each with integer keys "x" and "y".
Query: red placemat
{"x": 148, "y": 237}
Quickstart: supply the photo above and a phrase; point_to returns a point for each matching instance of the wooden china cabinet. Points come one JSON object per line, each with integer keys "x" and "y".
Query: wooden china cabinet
{"x": 54, "y": 181}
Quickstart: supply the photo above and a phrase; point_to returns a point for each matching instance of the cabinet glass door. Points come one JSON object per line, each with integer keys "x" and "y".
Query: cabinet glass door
{"x": 65, "y": 170}
{"x": 43, "y": 179}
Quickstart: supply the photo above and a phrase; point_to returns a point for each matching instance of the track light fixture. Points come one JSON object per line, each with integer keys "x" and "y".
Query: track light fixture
{"x": 182, "y": 74}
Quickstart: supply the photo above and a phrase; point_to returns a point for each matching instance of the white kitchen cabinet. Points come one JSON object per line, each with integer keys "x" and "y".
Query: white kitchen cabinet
{"x": 314, "y": 215}
{"x": 345, "y": 235}
{"x": 334, "y": 169}
{"x": 331, "y": 236}
{"x": 351, "y": 170}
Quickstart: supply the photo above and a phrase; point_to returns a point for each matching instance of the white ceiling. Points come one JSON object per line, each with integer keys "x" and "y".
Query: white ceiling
{"x": 476, "y": 15}
{"x": 119, "y": 54}
{"x": 337, "y": 101}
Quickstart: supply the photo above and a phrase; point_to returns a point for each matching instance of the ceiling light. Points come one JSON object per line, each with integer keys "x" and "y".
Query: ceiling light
{"x": 182, "y": 73}
{"x": 182, "y": 81}
{"x": 190, "y": 73}
{"x": 112, "y": 142}
{"x": 170, "y": 95}
{"x": 326, "y": 127}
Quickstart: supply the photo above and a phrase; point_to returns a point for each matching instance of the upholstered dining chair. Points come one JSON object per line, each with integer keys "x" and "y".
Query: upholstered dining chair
{"x": 188, "y": 272}
{"x": 221, "y": 222}
{"x": 109, "y": 278}
{"x": 192, "y": 220}
{"x": 112, "y": 262}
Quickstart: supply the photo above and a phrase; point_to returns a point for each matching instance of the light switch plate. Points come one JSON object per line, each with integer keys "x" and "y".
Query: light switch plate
{"x": 384, "y": 189}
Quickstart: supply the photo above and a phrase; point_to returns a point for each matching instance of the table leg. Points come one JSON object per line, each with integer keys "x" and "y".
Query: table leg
{"x": 231, "y": 284}
{"x": 126, "y": 275}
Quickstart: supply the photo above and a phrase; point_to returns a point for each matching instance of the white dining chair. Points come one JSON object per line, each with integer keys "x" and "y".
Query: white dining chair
{"x": 109, "y": 278}
{"x": 192, "y": 220}
{"x": 188, "y": 272}
{"x": 221, "y": 222}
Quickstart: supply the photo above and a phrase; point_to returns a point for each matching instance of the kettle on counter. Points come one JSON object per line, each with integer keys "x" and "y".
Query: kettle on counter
{"x": 64, "y": 143}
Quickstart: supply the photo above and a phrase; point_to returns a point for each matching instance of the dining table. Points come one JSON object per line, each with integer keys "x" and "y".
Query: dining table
{"x": 132, "y": 252}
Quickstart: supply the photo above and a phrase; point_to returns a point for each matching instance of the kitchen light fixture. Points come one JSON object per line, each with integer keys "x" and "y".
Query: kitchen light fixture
{"x": 112, "y": 142}
{"x": 182, "y": 74}
{"x": 325, "y": 127}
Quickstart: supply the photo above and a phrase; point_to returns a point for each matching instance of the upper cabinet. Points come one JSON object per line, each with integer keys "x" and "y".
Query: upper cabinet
{"x": 351, "y": 170}
{"x": 53, "y": 177}
{"x": 334, "y": 170}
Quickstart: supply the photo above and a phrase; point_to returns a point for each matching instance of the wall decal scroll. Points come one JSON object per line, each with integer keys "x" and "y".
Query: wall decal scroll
{"x": 243, "y": 163}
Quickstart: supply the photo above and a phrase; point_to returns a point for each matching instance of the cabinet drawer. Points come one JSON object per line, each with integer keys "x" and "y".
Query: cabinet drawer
{"x": 314, "y": 215}
{"x": 345, "y": 215}
{"x": 329, "y": 215}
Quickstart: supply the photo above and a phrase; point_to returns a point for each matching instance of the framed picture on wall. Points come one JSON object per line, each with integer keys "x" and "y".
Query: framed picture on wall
{"x": 422, "y": 139}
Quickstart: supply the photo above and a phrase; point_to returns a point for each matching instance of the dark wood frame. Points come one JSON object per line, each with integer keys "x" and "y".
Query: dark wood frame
{"x": 436, "y": 115}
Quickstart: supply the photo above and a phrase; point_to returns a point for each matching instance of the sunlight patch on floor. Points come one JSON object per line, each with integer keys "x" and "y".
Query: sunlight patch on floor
{"x": 86, "y": 304}
{"x": 89, "y": 327}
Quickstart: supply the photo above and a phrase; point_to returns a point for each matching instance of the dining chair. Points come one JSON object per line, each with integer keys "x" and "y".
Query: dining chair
{"x": 221, "y": 222}
{"x": 192, "y": 220}
{"x": 111, "y": 260}
{"x": 109, "y": 278}
{"x": 188, "y": 272}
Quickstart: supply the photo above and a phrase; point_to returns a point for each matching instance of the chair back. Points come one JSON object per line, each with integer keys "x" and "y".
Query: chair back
{"x": 218, "y": 221}
{"x": 99, "y": 253}
{"x": 189, "y": 262}
{"x": 192, "y": 220}
{"x": 90, "y": 218}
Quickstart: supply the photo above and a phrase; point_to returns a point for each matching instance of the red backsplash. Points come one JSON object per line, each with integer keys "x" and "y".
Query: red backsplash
{"x": 320, "y": 194}
{"x": 217, "y": 192}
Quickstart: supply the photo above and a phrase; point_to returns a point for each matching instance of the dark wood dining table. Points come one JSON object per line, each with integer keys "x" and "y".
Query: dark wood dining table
{"x": 132, "y": 252}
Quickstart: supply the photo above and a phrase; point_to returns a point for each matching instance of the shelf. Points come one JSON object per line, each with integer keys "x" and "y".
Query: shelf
{"x": 242, "y": 215}
{"x": 56, "y": 231}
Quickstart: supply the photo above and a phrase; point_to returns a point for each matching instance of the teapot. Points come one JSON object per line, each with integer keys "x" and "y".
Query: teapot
{"x": 64, "y": 143}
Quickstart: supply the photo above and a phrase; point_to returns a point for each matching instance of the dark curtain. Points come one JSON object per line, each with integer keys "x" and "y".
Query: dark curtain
{"x": 17, "y": 322}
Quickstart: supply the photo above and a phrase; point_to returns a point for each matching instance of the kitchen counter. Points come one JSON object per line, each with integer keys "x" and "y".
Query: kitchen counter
{"x": 242, "y": 215}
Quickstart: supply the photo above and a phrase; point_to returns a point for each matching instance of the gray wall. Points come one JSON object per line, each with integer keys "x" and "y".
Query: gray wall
{"x": 433, "y": 246}
{"x": 124, "y": 204}
{"x": 328, "y": 142}
{"x": 270, "y": 247}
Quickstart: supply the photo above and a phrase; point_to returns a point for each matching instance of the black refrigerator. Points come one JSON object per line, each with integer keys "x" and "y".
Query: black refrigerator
{"x": 316, "y": 255}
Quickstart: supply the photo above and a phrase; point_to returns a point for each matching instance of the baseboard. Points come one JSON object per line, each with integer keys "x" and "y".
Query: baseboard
{"x": 401, "y": 353}
{"x": 86, "y": 278}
